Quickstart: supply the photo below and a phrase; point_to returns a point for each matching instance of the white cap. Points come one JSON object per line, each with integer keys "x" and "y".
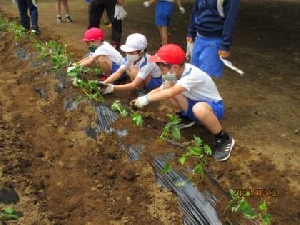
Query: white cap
{"x": 134, "y": 42}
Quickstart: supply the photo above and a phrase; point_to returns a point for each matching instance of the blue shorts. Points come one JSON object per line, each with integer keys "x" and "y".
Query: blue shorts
{"x": 154, "y": 83}
{"x": 206, "y": 55}
{"x": 217, "y": 108}
{"x": 114, "y": 68}
{"x": 163, "y": 13}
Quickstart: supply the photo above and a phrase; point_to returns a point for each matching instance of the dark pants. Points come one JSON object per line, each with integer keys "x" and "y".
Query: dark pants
{"x": 23, "y": 6}
{"x": 96, "y": 9}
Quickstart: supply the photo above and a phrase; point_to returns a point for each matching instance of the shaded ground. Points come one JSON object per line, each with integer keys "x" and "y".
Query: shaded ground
{"x": 65, "y": 177}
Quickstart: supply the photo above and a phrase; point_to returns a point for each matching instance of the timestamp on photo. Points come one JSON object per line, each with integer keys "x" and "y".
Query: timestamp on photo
{"x": 256, "y": 192}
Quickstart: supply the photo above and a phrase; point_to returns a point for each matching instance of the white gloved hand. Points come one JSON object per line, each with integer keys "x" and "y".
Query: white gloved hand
{"x": 109, "y": 89}
{"x": 70, "y": 68}
{"x": 146, "y": 4}
{"x": 182, "y": 10}
{"x": 141, "y": 101}
{"x": 76, "y": 81}
{"x": 120, "y": 12}
{"x": 189, "y": 49}
{"x": 14, "y": 2}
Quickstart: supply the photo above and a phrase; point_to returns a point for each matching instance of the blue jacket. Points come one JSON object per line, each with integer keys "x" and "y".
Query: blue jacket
{"x": 207, "y": 20}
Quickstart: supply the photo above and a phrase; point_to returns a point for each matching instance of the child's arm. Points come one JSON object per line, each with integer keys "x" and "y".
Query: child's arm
{"x": 88, "y": 60}
{"x": 114, "y": 76}
{"x": 181, "y": 9}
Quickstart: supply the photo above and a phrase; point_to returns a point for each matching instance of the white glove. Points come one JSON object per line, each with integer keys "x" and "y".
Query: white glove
{"x": 14, "y": 2}
{"x": 70, "y": 68}
{"x": 146, "y": 4}
{"x": 182, "y": 10}
{"x": 189, "y": 49}
{"x": 109, "y": 89}
{"x": 120, "y": 12}
{"x": 76, "y": 81}
{"x": 141, "y": 101}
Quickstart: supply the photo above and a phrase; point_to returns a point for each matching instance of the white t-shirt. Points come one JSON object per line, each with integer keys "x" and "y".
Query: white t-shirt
{"x": 110, "y": 52}
{"x": 145, "y": 67}
{"x": 199, "y": 86}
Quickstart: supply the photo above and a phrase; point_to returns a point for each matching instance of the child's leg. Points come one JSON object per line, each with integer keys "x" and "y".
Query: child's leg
{"x": 58, "y": 9}
{"x": 105, "y": 64}
{"x": 162, "y": 19}
{"x": 164, "y": 35}
{"x": 66, "y": 7}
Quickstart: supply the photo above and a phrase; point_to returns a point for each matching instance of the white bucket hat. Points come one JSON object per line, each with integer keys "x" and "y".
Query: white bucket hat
{"x": 134, "y": 42}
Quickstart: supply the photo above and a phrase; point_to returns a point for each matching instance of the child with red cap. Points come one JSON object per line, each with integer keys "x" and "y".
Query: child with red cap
{"x": 105, "y": 55}
{"x": 192, "y": 93}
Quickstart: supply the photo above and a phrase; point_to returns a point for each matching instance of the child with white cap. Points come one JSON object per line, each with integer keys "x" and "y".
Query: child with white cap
{"x": 194, "y": 95}
{"x": 105, "y": 55}
{"x": 144, "y": 75}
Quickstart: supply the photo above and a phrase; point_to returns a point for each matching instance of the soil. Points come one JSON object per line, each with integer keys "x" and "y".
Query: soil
{"x": 63, "y": 176}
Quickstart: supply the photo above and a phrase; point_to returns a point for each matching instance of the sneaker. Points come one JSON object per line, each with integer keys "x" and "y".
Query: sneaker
{"x": 185, "y": 122}
{"x": 58, "y": 19}
{"x": 35, "y": 31}
{"x": 223, "y": 149}
{"x": 68, "y": 19}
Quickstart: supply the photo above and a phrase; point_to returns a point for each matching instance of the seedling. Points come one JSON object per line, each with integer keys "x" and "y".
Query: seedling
{"x": 91, "y": 88}
{"x": 199, "y": 151}
{"x": 55, "y": 51}
{"x": 117, "y": 107}
{"x": 17, "y": 30}
{"x": 8, "y": 214}
{"x": 240, "y": 203}
{"x": 137, "y": 120}
{"x": 171, "y": 128}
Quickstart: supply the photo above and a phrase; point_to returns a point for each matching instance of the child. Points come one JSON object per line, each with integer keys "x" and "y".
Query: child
{"x": 58, "y": 11}
{"x": 143, "y": 74}
{"x": 194, "y": 95}
{"x": 23, "y": 6}
{"x": 105, "y": 55}
{"x": 163, "y": 13}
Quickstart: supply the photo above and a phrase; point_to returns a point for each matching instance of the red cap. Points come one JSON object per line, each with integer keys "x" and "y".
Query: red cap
{"x": 93, "y": 34}
{"x": 169, "y": 54}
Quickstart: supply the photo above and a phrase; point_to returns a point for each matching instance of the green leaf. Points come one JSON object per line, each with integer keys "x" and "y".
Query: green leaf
{"x": 167, "y": 168}
{"x": 198, "y": 141}
{"x": 9, "y": 210}
{"x": 180, "y": 184}
{"x": 266, "y": 219}
{"x": 263, "y": 206}
{"x": 182, "y": 160}
{"x": 247, "y": 210}
{"x": 207, "y": 150}
{"x": 198, "y": 169}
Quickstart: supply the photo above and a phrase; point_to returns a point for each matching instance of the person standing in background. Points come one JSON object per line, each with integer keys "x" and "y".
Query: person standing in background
{"x": 211, "y": 25}
{"x": 23, "y": 6}
{"x": 163, "y": 13}
{"x": 96, "y": 9}
{"x": 58, "y": 11}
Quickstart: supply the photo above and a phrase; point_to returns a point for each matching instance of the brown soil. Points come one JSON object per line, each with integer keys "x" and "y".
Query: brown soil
{"x": 65, "y": 177}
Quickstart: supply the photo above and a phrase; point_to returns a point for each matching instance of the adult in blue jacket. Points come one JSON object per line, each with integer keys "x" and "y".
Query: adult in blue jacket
{"x": 211, "y": 25}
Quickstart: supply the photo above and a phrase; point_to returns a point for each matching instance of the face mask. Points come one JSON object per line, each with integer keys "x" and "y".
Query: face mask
{"x": 169, "y": 77}
{"x": 132, "y": 58}
{"x": 92, "y": 48}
